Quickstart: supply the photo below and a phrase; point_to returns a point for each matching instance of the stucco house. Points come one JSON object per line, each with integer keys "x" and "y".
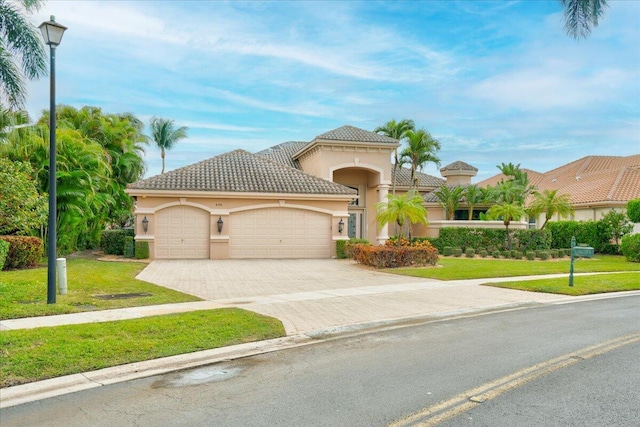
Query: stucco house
{"x": 293, "y": 200}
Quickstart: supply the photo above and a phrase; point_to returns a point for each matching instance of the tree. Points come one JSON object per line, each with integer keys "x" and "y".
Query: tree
{"x": 449, "y": 199}
{"x": 22, "y": 208}
{"x": 506, "y": 212}
{"x": 633, "y": 210}
{"x": 22, "y": 52}
{"x": 551, "y": 203}
{"x": 581, "y": 15}
{"x": 165, "y": 135}
{"x": 421, "y": 148}
{"x": 616, "y": 225}
{"x": 396, "y": 130}
{"x": 403, "y": 209}
{"x": 472, "y": 195}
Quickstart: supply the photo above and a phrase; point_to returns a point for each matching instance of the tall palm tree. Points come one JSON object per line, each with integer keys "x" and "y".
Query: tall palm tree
{"x": 165, "y": 135}
{"x": 22, "y": 52}
{"x": 507, "y": 212}
{"x": 449, "y": 199}
{"x": 403, "y": 209}
{"x": 396, "y": 130}
{"x": 421, "y": 148}
{"x": 472, "y": 195}
{"x": 581, "y": 15}
{"x": 551, "y": 203}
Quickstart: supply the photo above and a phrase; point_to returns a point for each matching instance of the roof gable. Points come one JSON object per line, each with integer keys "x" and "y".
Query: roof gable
{"x": 242, "y": 172}
{"x": 354, "y": 134}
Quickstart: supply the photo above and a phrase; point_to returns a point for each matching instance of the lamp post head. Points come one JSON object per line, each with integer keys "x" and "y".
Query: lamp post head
{"x": 52, "y": 32}
{"x": 340, "y": 226}
{"x": 145, "y": 225}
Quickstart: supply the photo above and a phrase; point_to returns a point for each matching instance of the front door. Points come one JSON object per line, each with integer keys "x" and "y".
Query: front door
{"x": 354, "y": 225}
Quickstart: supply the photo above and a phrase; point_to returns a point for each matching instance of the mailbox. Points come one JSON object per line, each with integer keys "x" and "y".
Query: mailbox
{"x": 583, "y": 251}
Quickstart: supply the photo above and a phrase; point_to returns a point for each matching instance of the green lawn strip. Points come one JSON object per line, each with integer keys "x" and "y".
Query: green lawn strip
{"x": 463, "y": 268}
{"x": 23, "y": 293}
{"x": 582, "y": 285}
{"x": 37, "y": 354}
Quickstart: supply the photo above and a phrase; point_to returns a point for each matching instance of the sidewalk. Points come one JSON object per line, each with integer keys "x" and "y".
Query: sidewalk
{"x": 308, "y": 316}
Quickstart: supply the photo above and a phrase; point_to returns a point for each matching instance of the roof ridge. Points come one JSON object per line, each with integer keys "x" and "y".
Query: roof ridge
{"x": 616, "y": 183}
{"x": 584, "y": 165}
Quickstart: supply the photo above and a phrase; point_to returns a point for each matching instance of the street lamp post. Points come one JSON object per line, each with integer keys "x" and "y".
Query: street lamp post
{"x": 52, "y": 34}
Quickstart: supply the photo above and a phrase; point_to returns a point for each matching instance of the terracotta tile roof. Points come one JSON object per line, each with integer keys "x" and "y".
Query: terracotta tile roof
{"x": 591, "y": 179}
{"x": 425, "y": 181}
{"x": 354, "y": 134}
{"x": 242, "y": 172}
{"x": 459, "y": 166}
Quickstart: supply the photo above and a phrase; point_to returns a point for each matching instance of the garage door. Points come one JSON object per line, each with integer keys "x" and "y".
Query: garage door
{"x": 182, "y": 232}
{"x": 280, "y": 233}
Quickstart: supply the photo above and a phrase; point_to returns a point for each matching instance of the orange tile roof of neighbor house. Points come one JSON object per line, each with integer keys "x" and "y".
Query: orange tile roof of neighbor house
{"x": 589, "y": 180}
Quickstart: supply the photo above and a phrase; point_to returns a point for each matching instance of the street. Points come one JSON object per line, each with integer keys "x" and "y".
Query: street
{"x": 572, "y": 365}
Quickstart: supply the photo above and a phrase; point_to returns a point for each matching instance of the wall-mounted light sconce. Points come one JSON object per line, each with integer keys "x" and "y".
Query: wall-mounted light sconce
{"x": 340, "y": 226}
{"x": 145, "y": 225}
{"x": 220, "y": 224}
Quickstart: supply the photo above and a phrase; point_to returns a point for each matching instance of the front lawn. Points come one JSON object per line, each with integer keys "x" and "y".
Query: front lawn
{"x": 477, "y": 268}
{"x": 582, "y": 285}
{"x": 24, "y": 292}
{"x": 37, "y": 354}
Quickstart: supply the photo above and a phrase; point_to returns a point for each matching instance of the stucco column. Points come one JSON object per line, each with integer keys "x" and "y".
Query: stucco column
{"x": 383, "y": 232}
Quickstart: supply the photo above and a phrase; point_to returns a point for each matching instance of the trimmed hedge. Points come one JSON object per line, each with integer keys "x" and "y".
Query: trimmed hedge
{"x": 24, "y": 251}
{"x": 4, "y": 251}
{"x": 340, "y": 245}
{"x": 142, "y": 250}
{"x": 491, "y": 239}
{"x": 348, "y": 248}
{"x": 392, "y": 256}
{"x": 112, "y": 241}
{"x": 128, "y": 247}
{"x": 631, "y": 247}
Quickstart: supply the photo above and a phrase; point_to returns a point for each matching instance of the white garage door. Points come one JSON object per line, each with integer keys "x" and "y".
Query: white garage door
{"x": 279, "y": 233}
{"x": 182, "y": 232}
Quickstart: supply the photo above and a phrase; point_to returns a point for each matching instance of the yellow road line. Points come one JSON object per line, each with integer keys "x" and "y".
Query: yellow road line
{"x": 435, "y": 414}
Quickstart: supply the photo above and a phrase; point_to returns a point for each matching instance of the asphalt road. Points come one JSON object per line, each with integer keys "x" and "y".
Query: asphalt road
{"x": 567, "y": 365}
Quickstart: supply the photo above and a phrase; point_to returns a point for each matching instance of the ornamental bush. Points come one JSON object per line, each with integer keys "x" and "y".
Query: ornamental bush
{"x": 457, "y": 252}
{"x": 470, "y": 253}
{"x": 448, "y": 251}
{"x": 24, "y": 251}
{"x": 128, "y": 247}
{"x": 531, "y": 255}
{"x": 633, "y": 210}
{"x": 390, "y": 256}
{"x": 544, "y": 255}
{"x": 496, "y": 254}
{"x": 631, "y": 247}
{"x": 112, "y": 241}
{"x": 142, "y": 250}
{"x": 348, "y": 247}
{"x": 340, "y": 245}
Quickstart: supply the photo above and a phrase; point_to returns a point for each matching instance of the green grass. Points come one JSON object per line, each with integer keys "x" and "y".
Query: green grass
{"x": 24, "y": 292}
{"x": 36, "y": 354}
{"x": 462, "y": 268}
{"x": 582, "y": 285}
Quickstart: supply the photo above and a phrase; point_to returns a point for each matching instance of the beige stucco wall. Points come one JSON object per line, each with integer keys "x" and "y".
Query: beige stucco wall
{"x": 223, "y": 206}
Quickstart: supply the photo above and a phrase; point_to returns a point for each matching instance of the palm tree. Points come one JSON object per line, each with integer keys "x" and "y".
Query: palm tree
{"x": 507, "y": 212}
{"x": 396, "y": 130}
{"x": 472, "y": 195}
{"x": 581, "y": 15}
{"x": 551, "y": 203}
{"x": 165, "y": 135}
{"x": 421, "y": 149}
{"x": 403, "y": 209}
{"x": 22, "y": 52}
{"x": 449, "y": 199}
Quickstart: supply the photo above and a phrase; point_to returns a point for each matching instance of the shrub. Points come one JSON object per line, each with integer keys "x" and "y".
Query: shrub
{"x": 476, "y": 238}
{"x": 447, "y": 251}
{"x": 348, "y": 247}
{"x": 142, "y": 250}
{"x": 516, "y": 255}
{"x": 434, "y": 241}
{"x": 389, "y": 256}
{"x": 506, "y": 254}
{"x": 4, "y": 250}
{"x": 544, "y": 255}
{"x": 340, "y": 246}
{"x": 483, "y": 253}
{"x": 496, "y": 254}
{"x": 457, "y": 252}
{"x": 631, "y": 247}
{"x": 532, "y": 239}
{"x": 470, "y": 253}
{"x": 553, "y": 253}
{"x": 24, "y": 251}
{"x": 112, "y": 241}
{"x": 633, "y": 210}
{"x": 531, "y": 255}
{"x": 128, "y": 247}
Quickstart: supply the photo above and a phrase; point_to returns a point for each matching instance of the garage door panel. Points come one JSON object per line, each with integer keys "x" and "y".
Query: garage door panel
{"x": 182, "y": 232}
{"x": 280, "y": 233}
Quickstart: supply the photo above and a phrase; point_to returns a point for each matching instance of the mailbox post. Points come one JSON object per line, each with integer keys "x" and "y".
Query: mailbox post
{"x": 573, "y": 245}
{"x": 582, "y": 251}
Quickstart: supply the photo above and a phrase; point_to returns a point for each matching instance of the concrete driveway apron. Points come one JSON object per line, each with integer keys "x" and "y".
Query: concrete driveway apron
{"x": 323, "y": 294}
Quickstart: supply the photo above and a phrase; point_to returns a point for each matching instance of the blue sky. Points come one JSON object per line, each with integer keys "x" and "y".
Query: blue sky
{"x": 493, "y": 81}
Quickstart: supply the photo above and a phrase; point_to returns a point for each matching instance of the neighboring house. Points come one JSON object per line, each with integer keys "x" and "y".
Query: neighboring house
{"x": 596, "y": 184}
{"x": 293, "y": 200}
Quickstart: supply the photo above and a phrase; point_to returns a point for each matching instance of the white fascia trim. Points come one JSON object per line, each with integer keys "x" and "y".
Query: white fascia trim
{"x": 217, "y": 238}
